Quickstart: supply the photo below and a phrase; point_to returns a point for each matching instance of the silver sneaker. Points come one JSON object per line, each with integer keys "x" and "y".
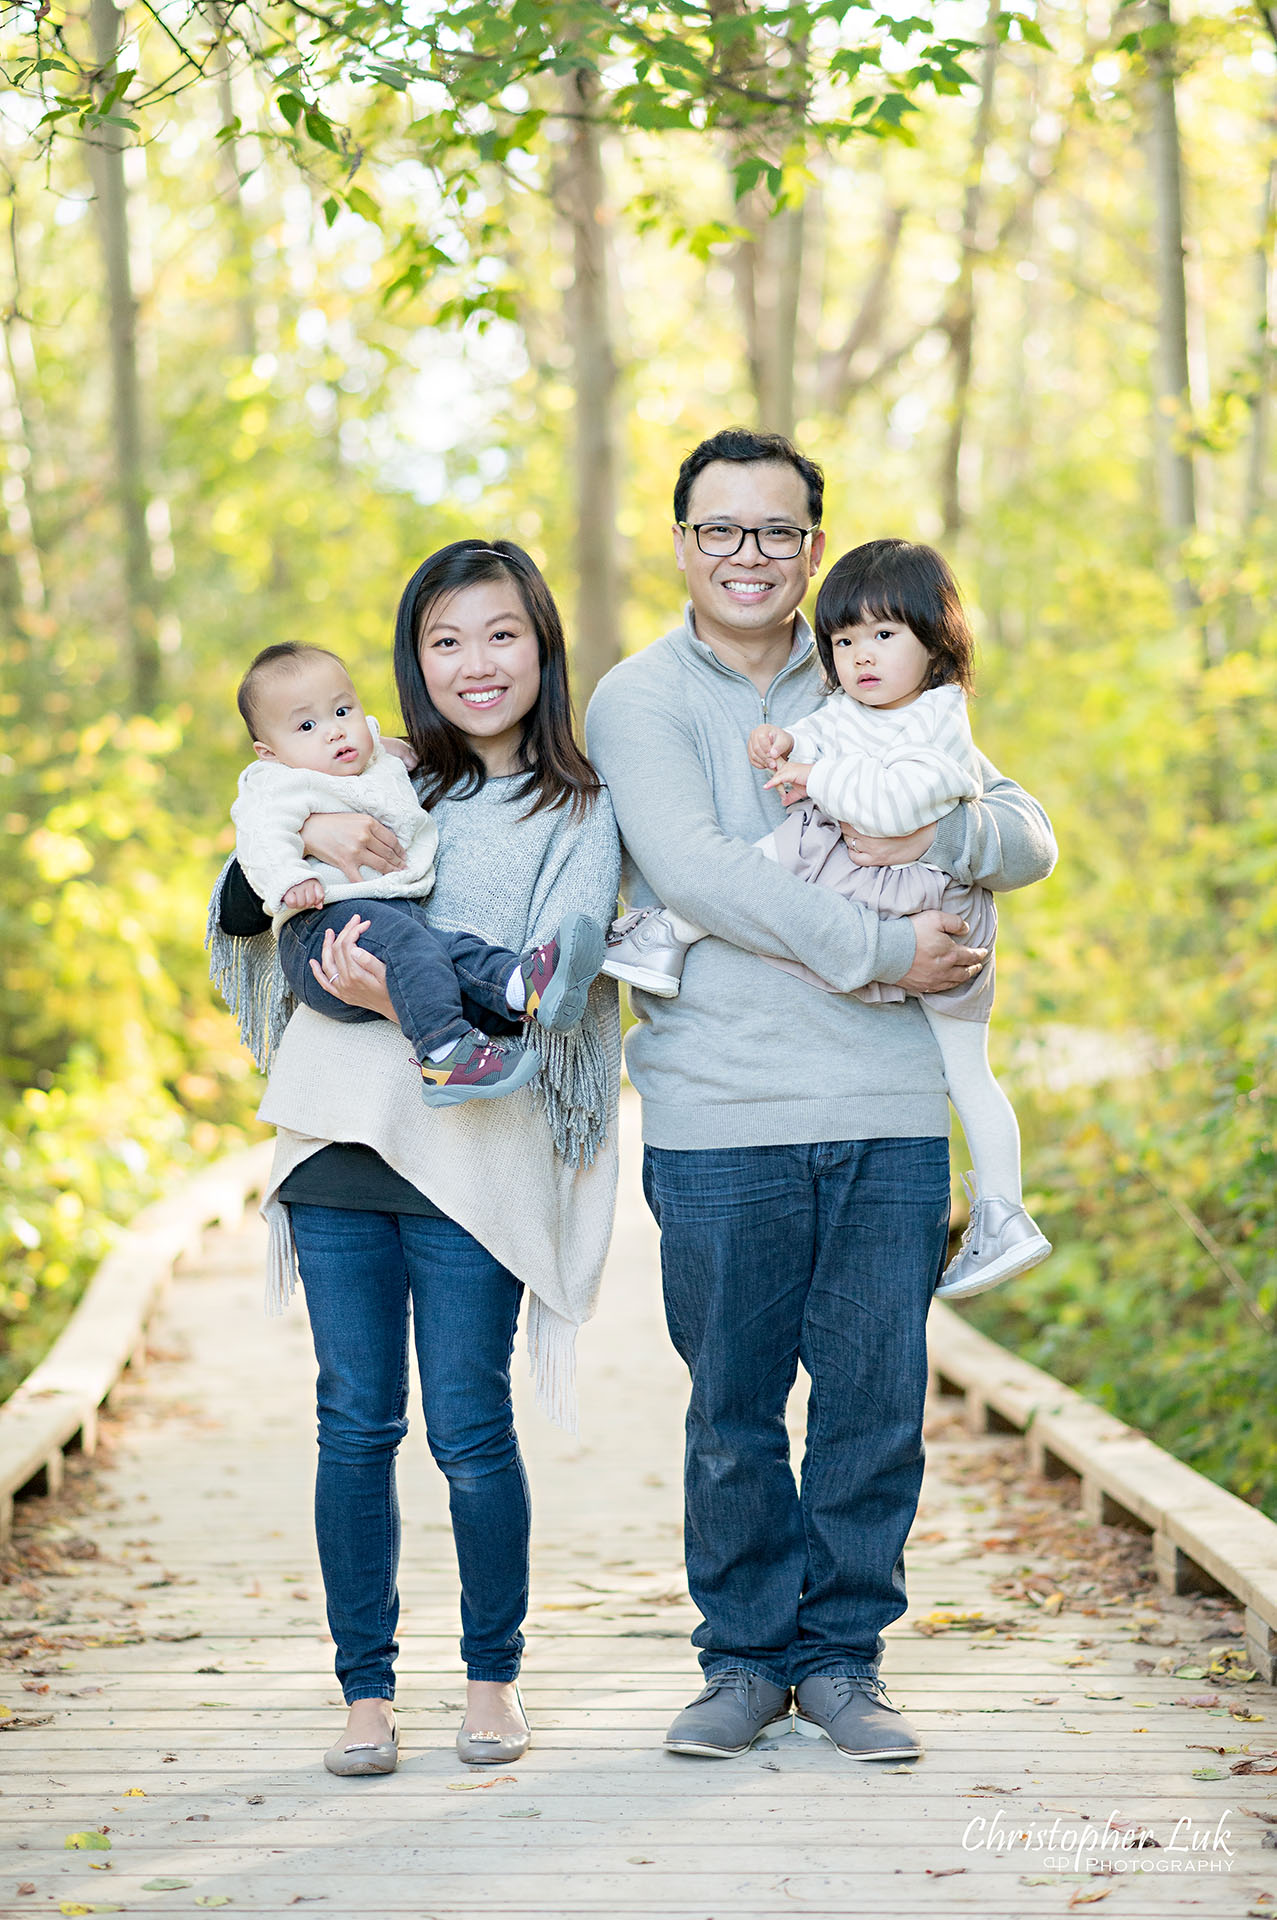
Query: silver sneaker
{"x": 642, "y": 950}
{"x": 1001, "y": 1240}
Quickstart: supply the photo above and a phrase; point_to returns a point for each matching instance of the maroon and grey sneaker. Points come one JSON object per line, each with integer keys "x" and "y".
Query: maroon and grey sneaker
{"x": 558, "y": 974}
{"x": 476, "y": 1069}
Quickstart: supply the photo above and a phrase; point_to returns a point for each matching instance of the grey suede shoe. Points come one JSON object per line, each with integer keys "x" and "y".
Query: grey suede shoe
{"x": 1001, "y": 1240}
{"x": 735, "y": 1709}
{"x": 857, "y": 1716}
{"x": 645, "y": 952}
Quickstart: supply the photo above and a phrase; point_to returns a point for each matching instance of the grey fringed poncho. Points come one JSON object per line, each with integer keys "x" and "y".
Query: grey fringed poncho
{"x": 533, "y": 1175}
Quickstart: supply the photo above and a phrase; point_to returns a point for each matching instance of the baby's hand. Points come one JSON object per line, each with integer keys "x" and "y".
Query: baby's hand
{"x": 792, "y": 775}
{"x": 307, "y": 893}
{"x": 767, "y": 745}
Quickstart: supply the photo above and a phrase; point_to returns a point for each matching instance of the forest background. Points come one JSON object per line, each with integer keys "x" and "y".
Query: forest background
{"x": 291, "y": 297}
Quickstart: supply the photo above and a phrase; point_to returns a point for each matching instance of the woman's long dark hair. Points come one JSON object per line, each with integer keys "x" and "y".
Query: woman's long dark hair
{"x": 902, "y": 581}
{"x": 557, "y": 772}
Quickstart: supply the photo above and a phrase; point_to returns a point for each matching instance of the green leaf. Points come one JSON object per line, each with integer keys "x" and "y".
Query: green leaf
{"x": 319, "y": 127}
{"x": 330, "y": 209}
{"x": 291, "y": 107}
{"x": 362, "y": 203}
{"x": 164, "y": 1885}
{"x": 87, "y": 1843}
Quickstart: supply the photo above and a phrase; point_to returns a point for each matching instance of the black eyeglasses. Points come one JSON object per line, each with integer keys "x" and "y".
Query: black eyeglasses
{"x": 720, "y": 539}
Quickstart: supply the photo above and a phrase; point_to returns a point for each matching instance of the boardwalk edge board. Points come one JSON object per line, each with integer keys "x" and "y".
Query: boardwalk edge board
{"x": 59, "y": 1399}
{"x": 1205, "y": 1540}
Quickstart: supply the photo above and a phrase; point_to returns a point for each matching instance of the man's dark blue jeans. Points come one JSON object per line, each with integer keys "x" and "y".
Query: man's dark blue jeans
{"x": 826, "y": 1254}
{"x": 441, "y": 983}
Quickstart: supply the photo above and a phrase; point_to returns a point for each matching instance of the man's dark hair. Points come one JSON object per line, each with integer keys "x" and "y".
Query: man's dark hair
{"x": 897, "y": 580}
{"x": 288, "y": 654}
{"x": 744, "y": 447}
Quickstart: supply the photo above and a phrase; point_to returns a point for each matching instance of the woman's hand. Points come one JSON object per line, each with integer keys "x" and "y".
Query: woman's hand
{"x": 767, "y": 745}
{"x": 349, "y": 841}
{"x": 401, "y": 751}
{"x": 792, "y": 776}
{"x": 867, "y": 850}
{"x": 356, "y": 978}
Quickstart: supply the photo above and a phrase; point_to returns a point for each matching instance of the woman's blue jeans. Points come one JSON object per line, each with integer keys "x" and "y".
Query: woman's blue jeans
{"x": 825, "y": 1253}
{"x": 367, "y": 1276}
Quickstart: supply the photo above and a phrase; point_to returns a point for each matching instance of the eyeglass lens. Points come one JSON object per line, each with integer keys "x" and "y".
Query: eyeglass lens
{"x": 721, "y": 538}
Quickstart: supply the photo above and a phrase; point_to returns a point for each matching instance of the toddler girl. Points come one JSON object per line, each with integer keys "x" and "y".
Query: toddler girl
{"x": 318, "y": 752}
{"x": 888, "y": 752}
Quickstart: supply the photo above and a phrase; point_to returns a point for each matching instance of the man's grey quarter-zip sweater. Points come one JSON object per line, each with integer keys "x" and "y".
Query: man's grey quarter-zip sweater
{"x": 748, "y": 1055}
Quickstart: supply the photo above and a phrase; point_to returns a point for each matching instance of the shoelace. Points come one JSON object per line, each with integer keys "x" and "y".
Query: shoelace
{"x": 626, "y": 924}
{"x": 970, "y": 1234}
{"x": 845, "y": 1685}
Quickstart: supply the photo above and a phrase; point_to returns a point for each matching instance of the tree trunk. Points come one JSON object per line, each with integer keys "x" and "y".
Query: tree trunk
{"x": 1172, "y": 414}
{"x": 140, "y": 587}
{"x": 240, "y": 261}
{"x": 960, "y": 320}
{"x": 841, "y": 375}
{"x": 768, "y": 269}
{"x": 580, "y": 194}
{"x": 1254, "y": 488}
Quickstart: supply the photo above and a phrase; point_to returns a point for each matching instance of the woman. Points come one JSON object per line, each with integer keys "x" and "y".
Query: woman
{"x": 382, "y": 1201}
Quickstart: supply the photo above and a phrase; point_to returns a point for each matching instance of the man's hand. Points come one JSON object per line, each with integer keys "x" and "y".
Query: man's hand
{"x": 401, "y": 751}
{"x": 307, "y": 893}
{"x": 767, "y": 745}
{"x": 356, "y": 978}
{"x": 349, "y": 841}
{"x": 938, "y": 962}
{"x": 899, "y": 851}
{"x": 792, "y": 776}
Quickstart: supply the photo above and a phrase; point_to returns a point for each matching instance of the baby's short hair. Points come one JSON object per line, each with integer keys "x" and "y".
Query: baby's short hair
{"x": 287, "y": 656}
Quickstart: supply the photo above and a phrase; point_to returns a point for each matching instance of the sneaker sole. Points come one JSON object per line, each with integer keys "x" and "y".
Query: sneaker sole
{"x": 581, "y": 951}
{"x": 528, "y": 1069}
{"x": 703, "y": 1751}
{"x": 812, "y": 1730}
{"x": 1021, "y": 1260}
{"x": 658, "y": 984}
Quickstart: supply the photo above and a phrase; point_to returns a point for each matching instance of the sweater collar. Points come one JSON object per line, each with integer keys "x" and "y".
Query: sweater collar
{"x": 799, "y": 654}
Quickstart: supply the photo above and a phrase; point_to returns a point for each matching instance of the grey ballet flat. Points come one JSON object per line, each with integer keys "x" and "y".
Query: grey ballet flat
{"x": 363, "y": 1756}
{"x": 495, "y": 1749}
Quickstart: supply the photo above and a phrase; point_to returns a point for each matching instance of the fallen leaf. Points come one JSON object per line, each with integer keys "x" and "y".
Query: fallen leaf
{"x": 86, "y": 1842}
{"x": 213, "y": 1900}
{"x": 1103, "y": 1696}
{"x": 1256, "y": 1814}
{"x": 164, "y": 1885}
{"x": 187, "y": 1633}
{"x": 1190, "y": 1673}
{"x": 1209, "y": 1773}
{"x": 943, "y": 1873}
{"x": 521, "y": 1813}
{"x": 1258, "y": 1763}
{"x": 257, "y": 1799}
{"x": 135, "y": 1793}
{"x": 1244, "y": 1713}
{"x": 640, "y": 1860}
{"x": 16, "y": 1723}
{"x": 28, "y": 1886}
{"x": 35, "y": 1686}
{"x": 1083, "y": 1898}
{"x": 1045, "y": 1699}
{"x": 478, "y": 1786}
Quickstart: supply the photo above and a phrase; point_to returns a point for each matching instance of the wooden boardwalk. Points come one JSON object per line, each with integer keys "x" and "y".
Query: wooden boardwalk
{"x": 187, "y": 1678}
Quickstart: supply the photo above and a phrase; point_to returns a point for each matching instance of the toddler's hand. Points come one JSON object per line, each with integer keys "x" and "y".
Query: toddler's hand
{"x": 307, "y": 893}
{"x": 792, "y": 776}
{"x": 767, "y": 745}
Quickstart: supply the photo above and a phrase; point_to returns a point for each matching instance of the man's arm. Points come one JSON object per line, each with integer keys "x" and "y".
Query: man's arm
{"x": 1001, "y": 841}
{"x": 665, "y": 810}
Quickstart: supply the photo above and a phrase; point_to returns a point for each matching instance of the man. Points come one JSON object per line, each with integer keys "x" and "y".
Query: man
{"x": 796, "y": 1141}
